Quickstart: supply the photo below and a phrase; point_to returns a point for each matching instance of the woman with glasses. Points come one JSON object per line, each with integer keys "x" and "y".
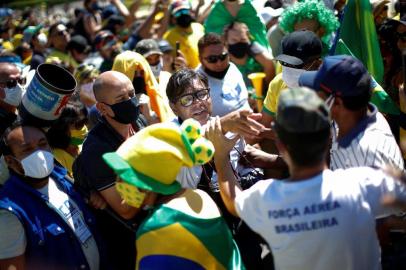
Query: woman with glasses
{"x": 190, "y": 97}
{"x": 228, "y": 90}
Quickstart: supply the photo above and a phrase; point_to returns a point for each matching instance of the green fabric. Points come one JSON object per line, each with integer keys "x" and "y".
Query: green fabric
{"x": 250, "y": 66}
{"x": 219, "y": 17}
{"x": 265, "y": 110}
{"x": 379, "y": 97}
{"x": 359, "y": 33}
{"x": 219, "y": 243}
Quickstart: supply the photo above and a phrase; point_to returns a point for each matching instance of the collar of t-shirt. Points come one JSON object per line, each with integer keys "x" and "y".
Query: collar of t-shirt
{"x": 360, "y": 127}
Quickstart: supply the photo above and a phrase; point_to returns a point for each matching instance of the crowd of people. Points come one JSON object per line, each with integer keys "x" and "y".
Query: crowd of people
{"x": 226, "y": 134}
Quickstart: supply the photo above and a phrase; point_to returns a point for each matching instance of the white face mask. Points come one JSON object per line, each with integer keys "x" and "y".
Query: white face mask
{"x": 42, "y": 39}
{"x": 156, "y": 70}
{"x": 291, "y": 76}
{"x": 13, "y": 95}
{"x": 38, "y": 165}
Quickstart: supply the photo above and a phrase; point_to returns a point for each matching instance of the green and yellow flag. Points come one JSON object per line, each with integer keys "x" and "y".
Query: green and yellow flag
{"x": 359, "y": 34}
{"x": 171, "y": 239}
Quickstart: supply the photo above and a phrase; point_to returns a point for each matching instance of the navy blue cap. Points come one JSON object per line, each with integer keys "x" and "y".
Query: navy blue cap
{"x": 338, "y": 75}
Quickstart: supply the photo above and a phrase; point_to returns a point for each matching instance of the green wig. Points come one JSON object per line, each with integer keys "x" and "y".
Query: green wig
{"x": 310, "y": 9}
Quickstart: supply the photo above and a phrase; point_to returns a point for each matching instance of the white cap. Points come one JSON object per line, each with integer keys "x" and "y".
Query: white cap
{"x": 269, "y": 13}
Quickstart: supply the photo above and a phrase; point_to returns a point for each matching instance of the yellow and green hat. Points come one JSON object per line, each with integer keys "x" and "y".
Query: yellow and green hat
{"x": 152, "y": 158}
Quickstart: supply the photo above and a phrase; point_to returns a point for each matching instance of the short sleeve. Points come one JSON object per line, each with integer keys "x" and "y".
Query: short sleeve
{"x": 250, "y": 204}
{"x": 13, "y": 239}
{"x": 269, "y": 102}
{"x": 375, "y": 185}
{"x": 256, "y": 48}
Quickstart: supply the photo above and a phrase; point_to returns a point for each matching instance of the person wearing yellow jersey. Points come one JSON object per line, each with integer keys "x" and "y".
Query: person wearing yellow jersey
{"x": 301, "y": 51}
{"x": 185, "y": 31}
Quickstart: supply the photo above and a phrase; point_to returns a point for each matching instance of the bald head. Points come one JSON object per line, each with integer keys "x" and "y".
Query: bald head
{"x": 7, "y": 69}
{"x": 109, "y": 85}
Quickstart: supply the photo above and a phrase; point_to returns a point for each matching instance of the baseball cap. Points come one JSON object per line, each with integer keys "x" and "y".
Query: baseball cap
{"x": 147, "y": 47}
{"x": 179, "y": 7}
{"x": 30, "y": 32}
{"x": 165, "y": 146}
{"x": 300, "y": 47}
{"x": 104, "y": 37}
{"x": 338, "y": 75}
{"x": 164, "y": 46}
{"x": 79, "y": 43}
{"x": 301, "y": 110}
{"x": 269, "y": 13}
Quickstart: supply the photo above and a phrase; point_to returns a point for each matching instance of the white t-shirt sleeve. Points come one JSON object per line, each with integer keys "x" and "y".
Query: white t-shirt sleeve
{"x": 375, "y": 185}
{"x": 13, "y": 239}
{"x": 249, "y": 205}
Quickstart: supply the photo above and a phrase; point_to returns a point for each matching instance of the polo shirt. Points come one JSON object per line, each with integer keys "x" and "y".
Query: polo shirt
{"x": 371, "y": 143}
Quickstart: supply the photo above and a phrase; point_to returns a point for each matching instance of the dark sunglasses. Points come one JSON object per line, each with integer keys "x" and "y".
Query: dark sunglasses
{"x": 13, "y": 83}
{"x": 212, "y": 59}
{"x": 188, "y": 99}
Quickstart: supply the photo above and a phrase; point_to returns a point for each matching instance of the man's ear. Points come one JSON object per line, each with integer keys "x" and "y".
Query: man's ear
{"x": 104, "y": 109}
{"x": 320, "y": 32}
{"x": 12, "y": 163}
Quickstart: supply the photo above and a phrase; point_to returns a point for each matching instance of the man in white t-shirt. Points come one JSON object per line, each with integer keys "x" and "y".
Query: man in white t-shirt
{"x": 44, "y": 223}
{"x": 227, "y": 88}
{"x": 317, "y": 218}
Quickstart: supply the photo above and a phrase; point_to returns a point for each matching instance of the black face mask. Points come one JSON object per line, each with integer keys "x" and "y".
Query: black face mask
{"x": 239, "y": 50}
{"x": 217, "y": 74}
{"x": 139, "y": 85}
{"x": 184, "y": 20}
{"x": 126, "y": 112}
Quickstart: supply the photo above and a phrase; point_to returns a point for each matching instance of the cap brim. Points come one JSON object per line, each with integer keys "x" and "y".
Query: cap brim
{"x": 288, "y": 59}
{"x": 132, "y": 177}
{"x": 151, "y": 53}
{"x": 308, "y": 79}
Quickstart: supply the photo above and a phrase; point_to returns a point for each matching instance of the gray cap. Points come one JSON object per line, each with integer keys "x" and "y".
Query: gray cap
{"x": 147, "y": 47}
{"x": 300, "y": 110}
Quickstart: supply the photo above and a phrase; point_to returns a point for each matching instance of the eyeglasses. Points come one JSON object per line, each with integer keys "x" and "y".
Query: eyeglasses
{"x": 188, "y": 99}
{"x": 212, "y": 59}
{"x": 13, "y": 83}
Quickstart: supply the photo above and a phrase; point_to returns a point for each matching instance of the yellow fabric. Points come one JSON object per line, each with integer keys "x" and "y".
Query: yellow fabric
{"x": 130, "y": 194}
{"x": 159, "y": 151}
{"x": 127, "y": 63}
{"x": 16, "y": 40}
{"x": 272, "y": 95}
{"x": 79, "y": 133}
{"x": 60, "y": 57}
{"x": 187, "y": 42}
{"x": 8, "y": 46}
{"x": 65, "y": 159}
{"x": 188, "y": 241}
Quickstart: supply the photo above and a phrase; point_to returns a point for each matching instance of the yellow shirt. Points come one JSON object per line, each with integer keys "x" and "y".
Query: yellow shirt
{"x": 65, "y": 159}
{"x": 272, "y": 95}
{"x": 187, "y": 42}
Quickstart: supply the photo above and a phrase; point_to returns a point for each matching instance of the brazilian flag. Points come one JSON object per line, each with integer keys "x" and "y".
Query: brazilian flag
{"x": 170, "y": 239}
{"x": 379, "y": 97}
{"x": 359, "y": 34}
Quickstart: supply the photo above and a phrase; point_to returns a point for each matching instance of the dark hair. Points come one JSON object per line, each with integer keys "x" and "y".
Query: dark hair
{"x": 19, "y": 123}
{"x": 355, "y": 103}
{"x": 181, "y": 80}
{"x": 59, "y": 133}
{"x": 305, "y": 149}
{"x": 209, "y": 39}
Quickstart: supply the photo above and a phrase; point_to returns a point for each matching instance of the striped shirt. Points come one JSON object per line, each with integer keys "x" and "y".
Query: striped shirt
{"x": 370, "y": 143}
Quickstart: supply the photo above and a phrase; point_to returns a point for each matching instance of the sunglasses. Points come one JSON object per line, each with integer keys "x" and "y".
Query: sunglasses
{"x": 212, "y": 59}
{"x": 188, "y": 99}
{"x": 13, "y": 83}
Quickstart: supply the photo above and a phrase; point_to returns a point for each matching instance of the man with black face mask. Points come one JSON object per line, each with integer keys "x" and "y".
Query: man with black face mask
{"x": 118, "y": 106}
{"x": 44, "y": 222}
{"x": 227, "y": 87}
{"x": 185, "y": 31}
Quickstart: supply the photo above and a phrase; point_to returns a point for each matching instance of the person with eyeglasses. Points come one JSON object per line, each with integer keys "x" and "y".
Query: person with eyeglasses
{"x": 228, "y": 90}
{"x": 190, "y": 97}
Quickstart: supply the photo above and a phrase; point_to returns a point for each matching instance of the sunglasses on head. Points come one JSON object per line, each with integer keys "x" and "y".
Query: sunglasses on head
{"x": 212, "y": 59}
{"x": 188, "y": 99}
{"x": 13, "y": 83}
